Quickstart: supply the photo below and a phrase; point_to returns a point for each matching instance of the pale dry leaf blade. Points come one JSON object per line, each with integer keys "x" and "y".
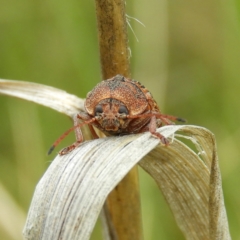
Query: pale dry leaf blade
{"x": 184, "y": 179}
{"x": 54, "y": 98}
{"x": 217, "y": 213}
{"x": 69, "y": 197}
{"x": 218, "y": 217}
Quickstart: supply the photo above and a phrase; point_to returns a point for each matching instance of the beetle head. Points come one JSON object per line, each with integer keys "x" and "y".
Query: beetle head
{"x": 111, "y": 115}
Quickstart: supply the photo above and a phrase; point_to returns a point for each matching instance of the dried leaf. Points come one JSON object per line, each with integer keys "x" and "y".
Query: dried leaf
{"x": 54, "y": 98}
{"x": 69, "y": 197}
{"x": 191, "y": 183}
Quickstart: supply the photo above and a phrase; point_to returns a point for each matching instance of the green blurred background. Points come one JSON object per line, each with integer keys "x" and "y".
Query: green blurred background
{"x": 188, "y": 56}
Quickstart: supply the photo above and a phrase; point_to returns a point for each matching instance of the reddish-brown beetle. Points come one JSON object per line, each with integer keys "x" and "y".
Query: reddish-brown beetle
{"x": 119, "y": 106}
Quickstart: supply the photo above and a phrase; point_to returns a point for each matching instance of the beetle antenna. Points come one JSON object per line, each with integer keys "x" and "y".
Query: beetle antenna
{"x": 159, "y": 115}
{"x": 173, "y": 118}
{"x": 66, "y": 133}
{"x": 181, "y": 119}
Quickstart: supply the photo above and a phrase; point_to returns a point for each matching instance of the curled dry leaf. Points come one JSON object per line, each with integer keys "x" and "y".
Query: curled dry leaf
{"x": 47, "y": 96}
{"x": 191, "y": 183}
{"x": 70, "y": 195}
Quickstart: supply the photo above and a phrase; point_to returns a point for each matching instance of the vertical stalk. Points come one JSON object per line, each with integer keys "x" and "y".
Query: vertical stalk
{"x": 113, "y": 39}
{"x": 122, "y": 208}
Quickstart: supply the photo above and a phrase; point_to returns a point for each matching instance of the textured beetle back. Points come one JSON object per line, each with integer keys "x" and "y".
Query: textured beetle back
{"x": 119, "y": 88}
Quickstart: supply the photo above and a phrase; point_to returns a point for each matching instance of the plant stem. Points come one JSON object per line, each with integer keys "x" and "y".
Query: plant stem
{"x": 113, "y": 40}
{"x": 123, "y": 204}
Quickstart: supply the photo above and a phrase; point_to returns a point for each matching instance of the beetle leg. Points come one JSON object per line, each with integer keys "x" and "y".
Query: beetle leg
{"x": 69, "y": 148}
{"x": 78, "y": 135}
{"x": 78, "y": 131}
{"x": 153, "y": 128}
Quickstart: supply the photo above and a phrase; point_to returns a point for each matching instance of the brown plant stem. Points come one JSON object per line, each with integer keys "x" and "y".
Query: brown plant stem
{"x": 122, "y": 208}
{"x": 113, "y": 40}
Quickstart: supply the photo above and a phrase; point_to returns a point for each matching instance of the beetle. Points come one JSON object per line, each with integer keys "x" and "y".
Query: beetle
{"x": 119, "y": 106}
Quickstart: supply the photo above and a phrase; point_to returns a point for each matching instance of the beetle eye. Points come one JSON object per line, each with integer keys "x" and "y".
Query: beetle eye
{"x": 98, "y": 110}
{"x": 122, "y": 110}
